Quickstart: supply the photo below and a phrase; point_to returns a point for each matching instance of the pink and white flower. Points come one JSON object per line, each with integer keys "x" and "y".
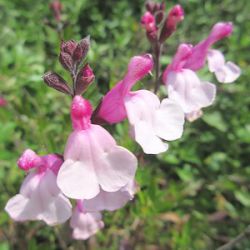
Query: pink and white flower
{"x": 150, "y": 120}
{"x": 183, "y": 84}
{"x": 93, "y": 160}
{"x": 85, "y": 224}
{"x": 39, "y": 197}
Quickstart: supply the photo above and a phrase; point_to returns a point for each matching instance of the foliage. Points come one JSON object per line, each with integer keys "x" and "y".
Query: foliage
{"x": 195, "y": 196}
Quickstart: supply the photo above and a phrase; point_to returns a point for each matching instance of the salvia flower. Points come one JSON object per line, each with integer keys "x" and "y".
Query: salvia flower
{"x": 150, "y": 119}
{"x": 184, "y": 86}
{"x": 39, "y": 197}
{"x": 93, "y": 160}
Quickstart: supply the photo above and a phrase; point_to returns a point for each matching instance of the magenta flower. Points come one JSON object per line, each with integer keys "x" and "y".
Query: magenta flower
{"x": 225, "y": 72}
{"x": 93, "y": 160}
{"x": 150, "y": 119}
{"x": 85, "y": 224}
{"x": 39, "y": 197}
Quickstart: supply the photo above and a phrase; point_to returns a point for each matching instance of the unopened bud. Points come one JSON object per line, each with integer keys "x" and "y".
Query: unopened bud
{"x": 159, "y": 16}
{"x": 175, "y": 15}
{"x": 66, "y": 61}
{"x": 55, "y": 81}
{"x": 84, "y": 78}
{"x": 56, "y": 7}
{"x": 157, "y": 7}
{"x": 162, "y": 6}
{"x": 150, "y": 6}
{"x": 81, "y": 50}
{"x": 148, "y": 22}
{"x": 68, "y": 47}
{"x": 3, "y": 102}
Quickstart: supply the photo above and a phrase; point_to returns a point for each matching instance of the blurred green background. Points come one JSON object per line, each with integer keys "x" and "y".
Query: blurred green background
{"x": 196, "y": 195}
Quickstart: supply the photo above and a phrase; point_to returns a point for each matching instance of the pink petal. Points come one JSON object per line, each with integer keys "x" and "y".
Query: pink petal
{"x": 112, "y": 108}
{"x": 85, "y": 225}
{"x": 110, "y": 200}
{"x": 139, "y": 67}
{"x": 78, "y": 180}
{"x": 184, "y": 51}
{"x": 116, "y": 168}
{"x": 228, "y": 73}
{"x": 29, "y": 159}
{"x": 169, "y": 120}
{"x": 198, "y": 58}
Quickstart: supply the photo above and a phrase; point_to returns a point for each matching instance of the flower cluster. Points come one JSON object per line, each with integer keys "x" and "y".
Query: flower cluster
{"x": 94, "y": 173}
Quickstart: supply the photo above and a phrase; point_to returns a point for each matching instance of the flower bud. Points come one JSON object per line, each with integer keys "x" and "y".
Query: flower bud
{"x": 148, "y": 22}
{"x": 68, "y": 47}
{"x": 162, "y": 6}
{"x": 3, "y": 102}
{"x": 55, "y": 81}
{"x": 175, "y": 15}
{"x": 84, "y": 79}
{"x": 150, "y": 6}
{"x": 81, "y": 50}
{"x": 66, "y": 61}
{"x": 159, "y": 16}
{"x": 56, "y": 7}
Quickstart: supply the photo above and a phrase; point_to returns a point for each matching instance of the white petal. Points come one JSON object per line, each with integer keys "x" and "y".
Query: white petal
{"x": 78, "y": 180}
{"x": 148, "y": 140}
{"x": 116, "y": 168}
{"x": 215, "y": 60}
{"x": 141, "y": 105}
{"x": 169, "y": 120}
{"x": 19, "y": 208}
{"x": 204, "y": 95}
{"x": 108, "y": 200}
{"x": 189, "y": 92}
{"x": 55, "y": 208}
{"x": 228, "y": 73}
